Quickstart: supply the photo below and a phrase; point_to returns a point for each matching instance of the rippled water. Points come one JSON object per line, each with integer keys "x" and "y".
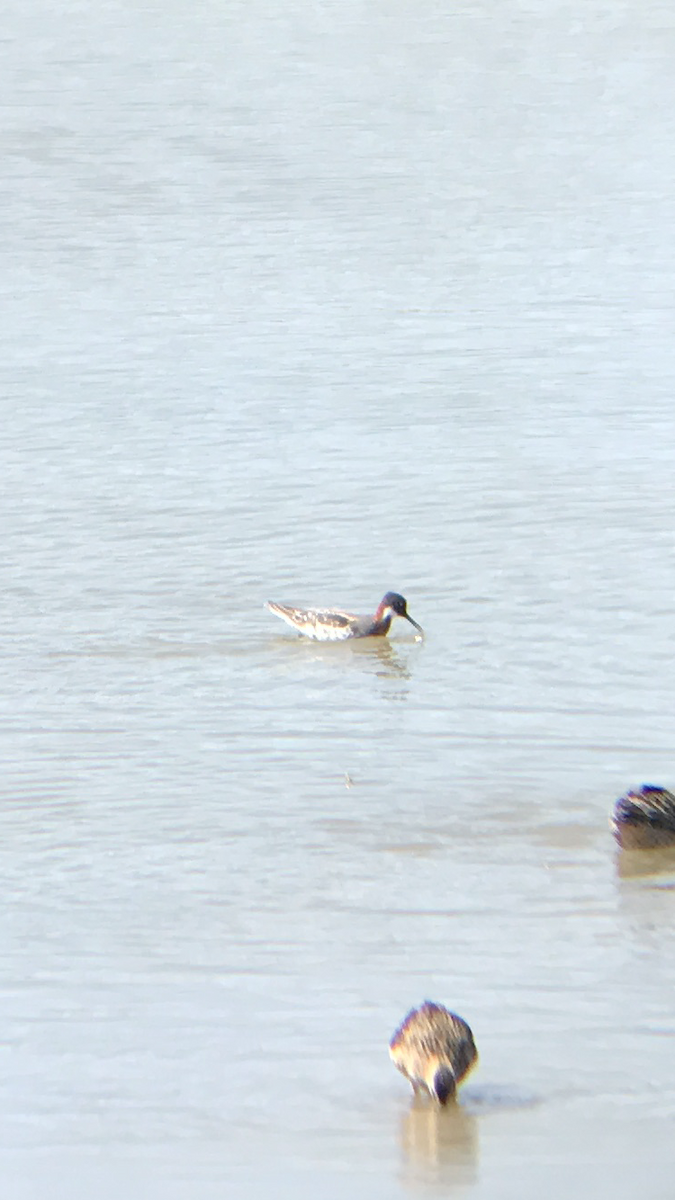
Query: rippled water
{"x": 307, "y": 304}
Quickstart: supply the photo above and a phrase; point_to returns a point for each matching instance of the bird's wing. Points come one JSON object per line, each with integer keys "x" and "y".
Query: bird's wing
{"x": 655, "y": 805}
{"x": 324, "y": 624}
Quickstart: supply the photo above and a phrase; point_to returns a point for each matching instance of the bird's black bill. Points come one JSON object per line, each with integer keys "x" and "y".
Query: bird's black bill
{"x": 409, "y": 618}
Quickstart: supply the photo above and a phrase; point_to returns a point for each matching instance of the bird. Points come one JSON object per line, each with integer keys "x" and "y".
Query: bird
{"x": 334, "y": 625}
{"x": 434, "y": 1049}
{"x": 644, "y": 819}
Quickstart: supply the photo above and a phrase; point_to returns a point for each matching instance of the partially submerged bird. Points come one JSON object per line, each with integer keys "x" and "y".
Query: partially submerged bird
{"x": 434, "y": 1049}
{"x": 333, "y": 625}
{"x": 645, "y": 819}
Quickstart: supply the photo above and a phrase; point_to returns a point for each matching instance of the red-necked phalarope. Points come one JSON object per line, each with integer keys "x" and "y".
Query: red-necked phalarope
{"x": 645, "y": 819}
{"x": 434, "y": 1049}
{"x": 333, "y": 625}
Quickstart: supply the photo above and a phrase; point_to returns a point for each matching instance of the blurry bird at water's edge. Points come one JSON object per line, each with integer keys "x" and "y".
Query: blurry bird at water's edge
{"x": 434, "y": 1049}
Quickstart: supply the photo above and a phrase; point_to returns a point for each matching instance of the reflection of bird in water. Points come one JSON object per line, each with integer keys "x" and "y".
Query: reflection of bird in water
{"x": 434, "y": 1049}
{"x": 385, "y": 662}
{"x": 377, "y": 656}
{"x": 440, "y": 1144}
{"x": 645, "y": 819}
{"x": 657, "y": 869}
{"x": 334, "y": 625}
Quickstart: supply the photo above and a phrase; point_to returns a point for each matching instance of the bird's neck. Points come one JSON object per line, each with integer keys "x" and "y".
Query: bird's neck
{"x": 382, "y": 619}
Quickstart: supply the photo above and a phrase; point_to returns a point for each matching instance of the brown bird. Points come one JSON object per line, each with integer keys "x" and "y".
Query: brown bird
{"x": 434, "y": 1049}
{"x": 334, "y": 625}
{"x": 645, "y": 819}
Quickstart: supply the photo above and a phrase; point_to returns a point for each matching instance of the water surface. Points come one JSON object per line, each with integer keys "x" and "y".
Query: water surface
{"x": 310, "y": 303}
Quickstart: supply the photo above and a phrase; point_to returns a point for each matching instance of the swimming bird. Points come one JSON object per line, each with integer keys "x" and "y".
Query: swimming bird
{"x": 645, "y": 819}
{"x": 333, "y": 625}
{"x": 434, "y": 1049}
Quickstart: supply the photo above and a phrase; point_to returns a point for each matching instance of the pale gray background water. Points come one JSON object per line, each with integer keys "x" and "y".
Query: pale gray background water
{"x": 311, "y": 301}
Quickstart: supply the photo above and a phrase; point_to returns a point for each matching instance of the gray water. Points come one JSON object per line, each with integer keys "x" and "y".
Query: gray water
{"x": 308, "y": 302}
